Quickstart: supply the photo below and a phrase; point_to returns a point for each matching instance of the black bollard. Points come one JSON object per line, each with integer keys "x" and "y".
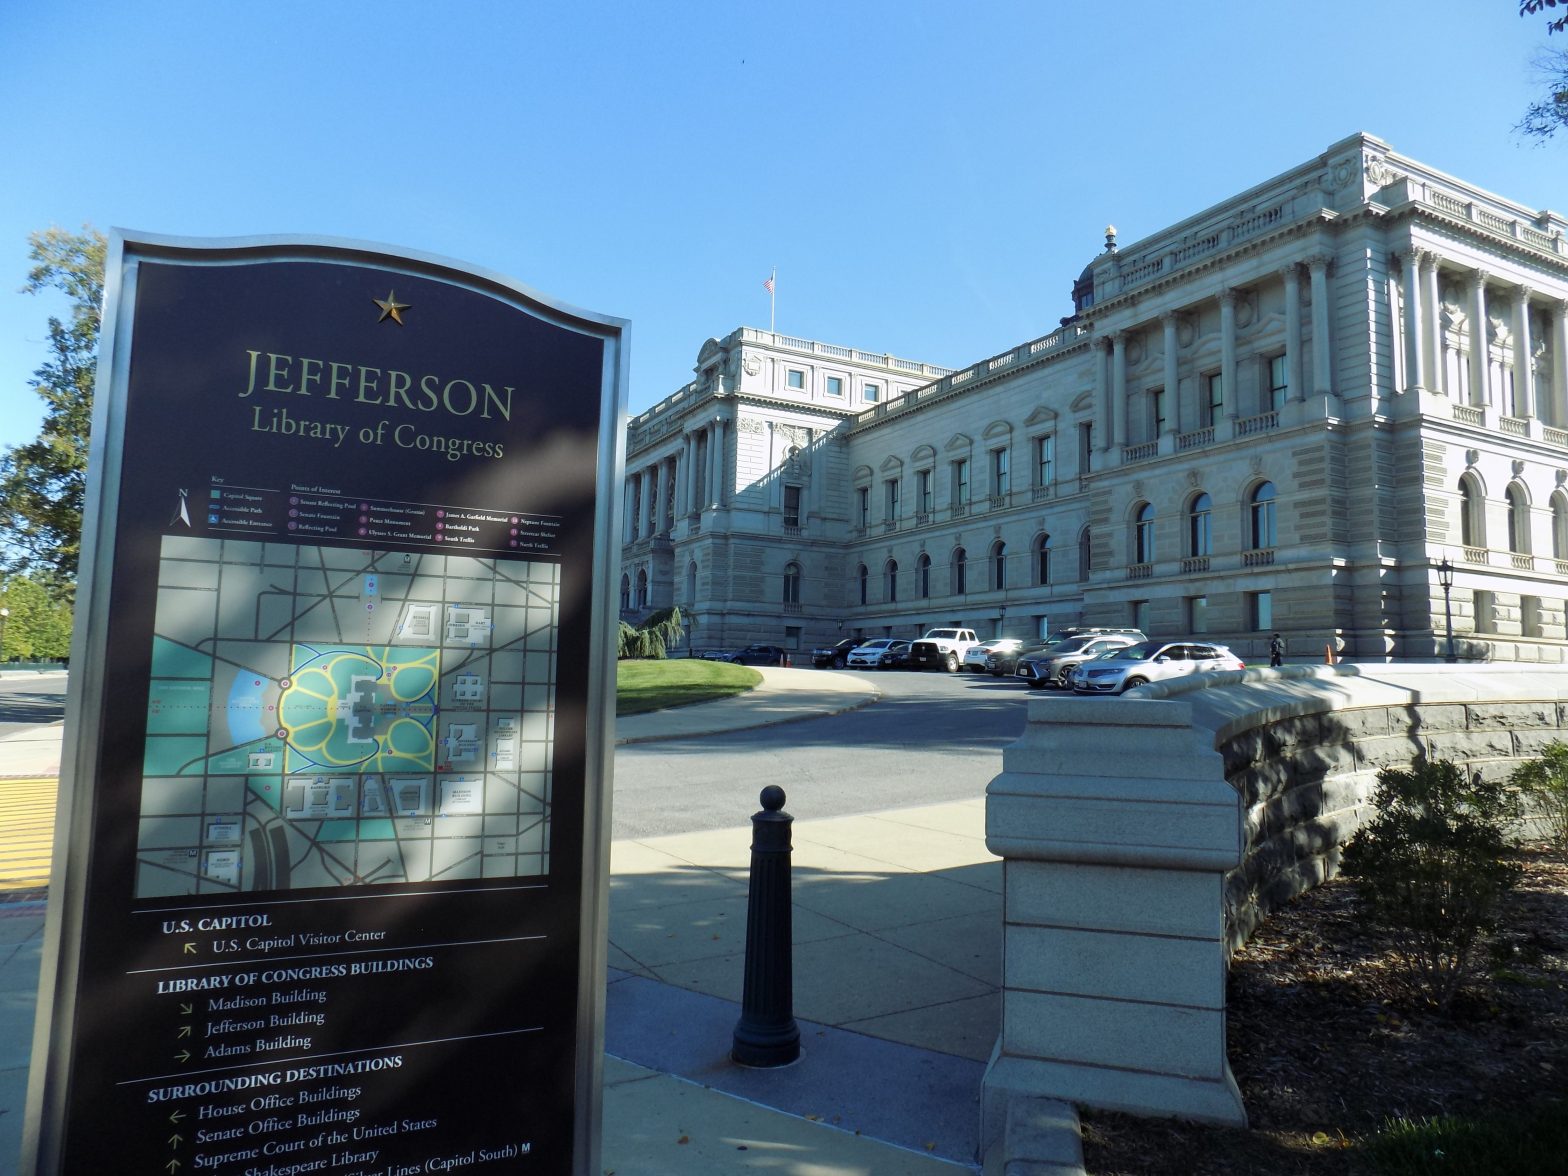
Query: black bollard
{"x": 766, "y": 1034}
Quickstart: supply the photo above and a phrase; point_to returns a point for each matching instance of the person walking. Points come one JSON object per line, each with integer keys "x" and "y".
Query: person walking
{"x": 1276, "y": 650}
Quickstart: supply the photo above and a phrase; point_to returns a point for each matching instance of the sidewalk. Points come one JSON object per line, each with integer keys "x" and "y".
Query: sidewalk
{"x": 897, "y": 924}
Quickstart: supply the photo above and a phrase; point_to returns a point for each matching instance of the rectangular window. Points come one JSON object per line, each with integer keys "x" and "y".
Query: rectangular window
{"x": 863, "y": 506}
{"x": 891, "y": 502}
{"x": 871, "y": 393}
{"x": 1138, "y": 614}
{"x": 1085, "y": 447}
{"x": 1260, "y": 606}
{"x": 1279, "y": 383}
{"x": 999, "y": 471}
{"x": 960, "y": 483}
{"x": 923, "y": 488}
{"x": 1043, "y": 626}
{"x": 795, "y": 378}
{"x": 791, "y": 636}
{"x": 792, "y": 506}
{"x": 1045, "y": 459}
{"x": 1214, "y": 398}
{"x": 835, "y": 386}
{"x": 1197, "y": 614}
{"x": 1156, "y": 412}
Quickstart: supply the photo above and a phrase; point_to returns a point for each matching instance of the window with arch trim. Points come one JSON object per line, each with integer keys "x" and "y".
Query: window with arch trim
{"x": 923, "y": 576}
{"x": 642, "y": 589}
{"x": 960, "y": 572}
{"x": 691, "y": 583}
{"x": 864, "y": 578}
{"x": 1518, "y": 520}
{"x": 1200, "y": 526}
{"x": 999, "y": 565}
{"x": 626, "y": 593}
{"x": 1143, "y": 534}
{"x": 1261, "y": 511}
{"x": 1085, "y": 554}
{"x": 1042, "y": 559}
{"x": 1472, "y": 528}
{"x": 1559, "y": 526}
{"x": 792, "y": 583}
{"x": 892, "y": 579}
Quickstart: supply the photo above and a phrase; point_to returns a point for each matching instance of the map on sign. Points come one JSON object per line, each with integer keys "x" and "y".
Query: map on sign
{"x": 322, "y": 716}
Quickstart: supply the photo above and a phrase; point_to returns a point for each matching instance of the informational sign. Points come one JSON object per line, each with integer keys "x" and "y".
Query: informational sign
{"x": 332, "y": 838}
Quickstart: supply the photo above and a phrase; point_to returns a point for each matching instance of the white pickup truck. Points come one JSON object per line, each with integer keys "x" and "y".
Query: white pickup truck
{"x": 942, "y": 649}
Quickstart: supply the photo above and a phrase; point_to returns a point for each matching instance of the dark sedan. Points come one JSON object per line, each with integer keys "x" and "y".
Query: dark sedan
{"x": 759, "y": 655}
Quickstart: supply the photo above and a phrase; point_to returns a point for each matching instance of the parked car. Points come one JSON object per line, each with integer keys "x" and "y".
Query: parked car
{"x": 834, "y": 655}
{"x": 758, "y": 655}
{"x": 895, "y": 657}
{"x": 941, "y": 649}
{"x": 1050, "y": 667}
{"x": 975, "y": 655}
{"x": 1003, "y": 661}
{"x": 1150, "y": 661}
{"x": 868, "y": 654}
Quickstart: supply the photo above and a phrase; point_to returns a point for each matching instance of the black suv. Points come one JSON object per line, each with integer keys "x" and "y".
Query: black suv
{"x": 1050, "y": 667}
{"x": 834, "y": 655}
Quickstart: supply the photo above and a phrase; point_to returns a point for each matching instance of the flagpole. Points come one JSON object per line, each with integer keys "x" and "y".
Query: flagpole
{"x": 773, "y": 298}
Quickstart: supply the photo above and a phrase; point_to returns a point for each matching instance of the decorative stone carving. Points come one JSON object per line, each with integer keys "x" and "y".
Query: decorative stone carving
{"x": 1562, "y": 477}
{"x": 1137, "y": 489}
{"x": 1518, "y": 468}
{"x": 1342, "y": 173}
{"x": 1381, "y": 174}
{"x": 1256, "y": 464}
{"x": 750, "y": 425}
{"x": 1472, "y": 456}
{"x": 1194, "y": 478}
{"x": 1186, "y": 330}
{"x": 751, "y": 364}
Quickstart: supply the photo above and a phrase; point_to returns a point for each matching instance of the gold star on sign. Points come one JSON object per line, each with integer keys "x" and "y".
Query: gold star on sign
{"x": 391, "y": 308}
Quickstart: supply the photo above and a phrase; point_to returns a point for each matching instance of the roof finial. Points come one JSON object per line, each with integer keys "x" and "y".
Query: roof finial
{"x": 1110, "y": 238}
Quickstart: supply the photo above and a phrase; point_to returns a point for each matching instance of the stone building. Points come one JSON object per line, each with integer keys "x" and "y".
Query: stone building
{"x": 1281, "y": 414}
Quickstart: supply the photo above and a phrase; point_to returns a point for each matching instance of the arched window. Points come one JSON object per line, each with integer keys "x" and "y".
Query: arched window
{"x": 1518, "y": 520}
{"x": 960, "y": 572}
{"x": 1085, "y": 554}
{"x": 1264, "y": 534}
{"x": 998, "y": 565}
{"x": 923, "y": 576}
{"x": 1559, "y": 526}
{"x": 626, "y": 592}
{"x": 1472, "y": 529}
{"x": 892, "y": 579}
{"x": 691, "y": 583}
{"x": 1143, "y": 534}
{"x": 642, "y": 589}
{"x": 1042, "y": 559}
{"x": 792, "y": 583}
{"x": 864, "y": 578}
{"x": 1200, "y": 526}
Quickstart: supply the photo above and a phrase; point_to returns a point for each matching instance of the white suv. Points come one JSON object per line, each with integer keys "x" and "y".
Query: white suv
{"x": 1150, "y": 661}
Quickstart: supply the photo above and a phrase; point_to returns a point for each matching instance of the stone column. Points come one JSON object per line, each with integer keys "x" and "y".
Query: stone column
{"x": 1228, "y": 353}
{"x": 650, "y": 498}
{"x": 1560, "y": 365}
{"x": 1431, "y": 332}
{"x": 1113, "y": 939}
{"x": 711, "y": 489}
{"x": 1102, "y": 392}
{"x": 1292, "y": 278}
{"x": 1480, "y": 344}
{"x": 1172, "y": 388}
{"x": 633, "y": 507}
{"x": 1415, "y": 351}
{"x": 1322, "y": 354}
{"x": 1524, "y": 377}
{"x": 1118, "y": 390}
{"x": 721, "y": 489}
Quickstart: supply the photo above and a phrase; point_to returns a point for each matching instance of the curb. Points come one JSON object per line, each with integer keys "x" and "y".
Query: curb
{"x": 860, "y": 700}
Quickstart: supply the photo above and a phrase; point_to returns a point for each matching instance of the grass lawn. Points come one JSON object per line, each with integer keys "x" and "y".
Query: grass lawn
{"x": 642, "y": 686}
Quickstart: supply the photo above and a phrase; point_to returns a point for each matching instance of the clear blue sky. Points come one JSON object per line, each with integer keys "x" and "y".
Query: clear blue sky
{"x": 927, "y": 177}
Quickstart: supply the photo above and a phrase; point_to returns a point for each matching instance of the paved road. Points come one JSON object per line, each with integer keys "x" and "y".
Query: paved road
{"x": 27, "y": 700}
{"x": 946, "y": 731}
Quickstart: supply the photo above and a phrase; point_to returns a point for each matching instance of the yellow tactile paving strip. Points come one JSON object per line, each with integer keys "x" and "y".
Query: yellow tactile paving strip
{"x": 26, "y": 832}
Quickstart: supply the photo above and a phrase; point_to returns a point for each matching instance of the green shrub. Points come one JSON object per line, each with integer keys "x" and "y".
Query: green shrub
{"x": 1432, "y": 866}
{"x": 1544, "y": 782}
{"x": 1530, "y": 1143}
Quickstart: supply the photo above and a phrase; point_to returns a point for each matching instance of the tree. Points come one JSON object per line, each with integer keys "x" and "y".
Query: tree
{"x": 43, "y": 483}
{"x": 1545, "y": 782}
{"x": 37, "y": 626}
{"x": 1544, "y": 118}
{"x": 653, "y": 637}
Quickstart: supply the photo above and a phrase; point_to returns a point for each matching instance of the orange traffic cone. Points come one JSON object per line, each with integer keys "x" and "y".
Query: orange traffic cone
{"x": 1328, "y": 655}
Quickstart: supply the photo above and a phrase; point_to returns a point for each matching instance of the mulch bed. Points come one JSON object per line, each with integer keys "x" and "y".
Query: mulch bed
{"x": 1327, "y": 1042}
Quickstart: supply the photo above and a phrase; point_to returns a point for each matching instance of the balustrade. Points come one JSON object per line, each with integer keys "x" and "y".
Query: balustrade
{"x": 1261, "y": 558}
{"x": 1475, "y": 555}
{"x": 1467, "y": 414}
{"x": 1041, "y": 492}
{"x": 1522, "y": 563}
{"x": 1262, "y": 423}
{"x": 1195, "y": 563}
{"x": 1558, "y": 437}
{"x": 1140, "y": 452}
{"x": 1513, "y": 426}
{"x": 1194, "y": 439}
{"x": 1140, "y": 571}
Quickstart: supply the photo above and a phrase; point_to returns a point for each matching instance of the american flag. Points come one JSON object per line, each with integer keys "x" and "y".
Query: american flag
{"x": 767, "y": 284}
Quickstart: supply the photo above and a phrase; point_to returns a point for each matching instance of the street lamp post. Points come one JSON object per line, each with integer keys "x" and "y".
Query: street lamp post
{"x": 1445, "y": 577}
{"x": 1001, "y": 619}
